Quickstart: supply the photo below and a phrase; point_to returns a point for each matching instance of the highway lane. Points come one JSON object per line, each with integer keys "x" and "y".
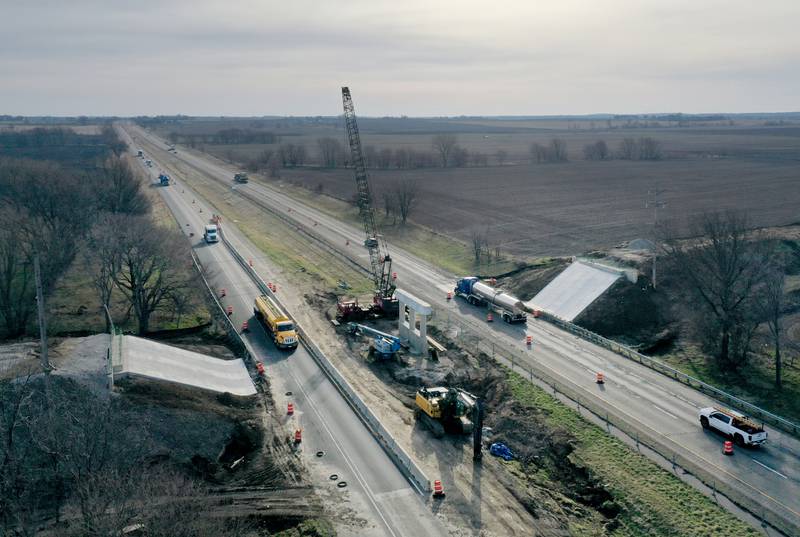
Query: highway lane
{"x": 376, "y": 491}
{"x": 645, "y": 399}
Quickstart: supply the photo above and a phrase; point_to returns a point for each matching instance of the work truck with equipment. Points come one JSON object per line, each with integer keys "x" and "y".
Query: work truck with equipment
{"x": 740, "y": 428}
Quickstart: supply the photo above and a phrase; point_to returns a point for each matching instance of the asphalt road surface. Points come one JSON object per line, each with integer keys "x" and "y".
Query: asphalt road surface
{"x": 646, "y": 400}
{"x": 375, "y": 489}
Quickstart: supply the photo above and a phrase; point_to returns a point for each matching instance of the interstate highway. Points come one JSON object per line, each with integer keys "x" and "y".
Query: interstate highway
{"x": 376, "y": 490}
{"x": 646, "y": 400}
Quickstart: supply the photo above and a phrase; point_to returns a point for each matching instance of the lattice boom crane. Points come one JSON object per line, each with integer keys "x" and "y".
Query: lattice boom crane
{"x": 380, "y": 260}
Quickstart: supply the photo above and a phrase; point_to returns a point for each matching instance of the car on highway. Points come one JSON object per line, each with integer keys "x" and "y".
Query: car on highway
{"x": 740, "y": 428}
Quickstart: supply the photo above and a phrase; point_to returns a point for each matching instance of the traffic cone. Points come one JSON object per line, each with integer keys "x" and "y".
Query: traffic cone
{"x": 298, "y": 436}
{"x": 727, "y": 448}
{"x": 438, "y": 490}
{"x": 489, "y": 317}
{"x": 290, "y": 409}
{"x": 600, "y": 378}
{"x": 250, "y": 261}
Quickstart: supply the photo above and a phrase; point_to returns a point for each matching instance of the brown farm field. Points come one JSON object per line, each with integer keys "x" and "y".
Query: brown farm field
{"x": 556, "y": 208}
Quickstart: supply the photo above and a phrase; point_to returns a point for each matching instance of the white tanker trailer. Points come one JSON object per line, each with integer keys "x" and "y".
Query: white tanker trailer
{"x": 477, "y": 293}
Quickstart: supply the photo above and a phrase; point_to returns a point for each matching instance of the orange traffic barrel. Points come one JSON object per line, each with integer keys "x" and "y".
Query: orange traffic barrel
{"x": 290, "y": 409}
{"x": 222, "y": 292}
{"x": 536, "y": 313}
{"x": 298, "y": 436}
{"x": 727, "y": 448}
{"x": 230, "y": 310}
{"x": 449, "y": 296}
{"x": 260, "y": 368}
{"x": 489, "y": 317}
{"x": 274, "y": 287}
{"x": 394, "y": 275}
{"x": 600, "y": 379}
{"x": 438, "y": 490}
{"x": 528, "y": 340}
{"x": 244, "y": 326}
{"x": 250, "y": 261}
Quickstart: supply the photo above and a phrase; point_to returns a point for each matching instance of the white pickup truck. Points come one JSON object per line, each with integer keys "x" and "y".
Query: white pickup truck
{"x": 738, "y": 427}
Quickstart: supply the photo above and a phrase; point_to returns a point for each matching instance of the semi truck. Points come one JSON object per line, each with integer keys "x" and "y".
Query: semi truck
{"x": 163, "y": 179}
{"x": 210, "y": 233}
{"x": 740, "y": 428}
{"x": 277, "y": 324}
{"x": 478, "y": 293}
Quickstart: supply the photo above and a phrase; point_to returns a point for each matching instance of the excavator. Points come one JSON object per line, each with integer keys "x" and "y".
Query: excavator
{"x": 445, "y": 410}
{"x": 384, "y": 303}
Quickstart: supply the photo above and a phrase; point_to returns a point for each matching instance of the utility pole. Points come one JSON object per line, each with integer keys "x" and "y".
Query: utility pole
{"x": 656, "y": 203}
{"x": 40, "y": 308}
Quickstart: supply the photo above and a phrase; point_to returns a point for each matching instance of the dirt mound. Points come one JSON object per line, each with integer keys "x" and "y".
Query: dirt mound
{"x": 526, "y": 283}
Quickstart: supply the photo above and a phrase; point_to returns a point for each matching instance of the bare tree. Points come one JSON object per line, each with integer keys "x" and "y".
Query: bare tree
{"x": 102, "y": 255}
{"x": 16, "y": 280}
{"x": 649, "y": 149}
{"x": 628, "y": 149}
{"x": 389, "y": 203}
{"x": 444, "y": 144}
{"x": 596, "y": 151}
{"x": 119, "y": 190}
{"x": 501, "y": 157}
{"x": 558, "y": 150}
{"x": 770, "y": 302}
{"x": 330, "y": 151}
{"x": 721, "y": 270}
{"x": 405, "y": 193}
{"x": 147, "y": 275}
{"x": 477, "y": 240}
{"x": 538, "y": 153}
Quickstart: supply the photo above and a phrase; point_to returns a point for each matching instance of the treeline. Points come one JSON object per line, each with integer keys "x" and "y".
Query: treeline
{"x": 224, "y": 137}
{"x": 644, "y": 148}
{"x": 55, "y": 212}
{"x": 60, "y": 144}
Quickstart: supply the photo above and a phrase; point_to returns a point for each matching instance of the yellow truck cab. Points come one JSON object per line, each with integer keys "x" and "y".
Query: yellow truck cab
{"x": 277, "y": 324}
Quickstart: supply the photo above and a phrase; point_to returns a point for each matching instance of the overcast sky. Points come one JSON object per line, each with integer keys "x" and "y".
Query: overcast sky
{"x": 412, "y": 57}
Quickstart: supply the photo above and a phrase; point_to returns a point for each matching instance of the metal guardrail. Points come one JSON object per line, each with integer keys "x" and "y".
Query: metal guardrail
{"x": 401, "y": 459}
{"x": 657, "y": 365}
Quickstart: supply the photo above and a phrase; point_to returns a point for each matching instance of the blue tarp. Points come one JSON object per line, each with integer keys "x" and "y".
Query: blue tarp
{"x": 498, "y": 449}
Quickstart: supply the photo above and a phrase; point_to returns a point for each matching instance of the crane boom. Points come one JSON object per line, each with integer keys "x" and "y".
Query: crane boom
{"x": 380, "y": 260}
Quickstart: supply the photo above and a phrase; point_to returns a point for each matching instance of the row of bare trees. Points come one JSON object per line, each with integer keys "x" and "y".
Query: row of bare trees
{"x": 54, "y": 212}
{"x": 644, "y": 148}
{"x": 45, "y": 211}
{"x": 733, "y": 278}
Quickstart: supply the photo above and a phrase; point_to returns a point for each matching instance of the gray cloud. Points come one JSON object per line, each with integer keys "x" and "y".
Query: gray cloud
{"x": 417, "y": 57}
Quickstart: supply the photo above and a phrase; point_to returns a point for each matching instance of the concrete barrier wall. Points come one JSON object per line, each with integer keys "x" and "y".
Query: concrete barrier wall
{"x": 401, "y": 459}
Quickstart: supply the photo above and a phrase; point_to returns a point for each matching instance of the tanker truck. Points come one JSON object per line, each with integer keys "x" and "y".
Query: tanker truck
{"x": 478, "y": 293}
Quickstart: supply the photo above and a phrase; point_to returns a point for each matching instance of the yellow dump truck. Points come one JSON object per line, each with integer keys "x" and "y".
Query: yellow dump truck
{"x": 277, "y": 324}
